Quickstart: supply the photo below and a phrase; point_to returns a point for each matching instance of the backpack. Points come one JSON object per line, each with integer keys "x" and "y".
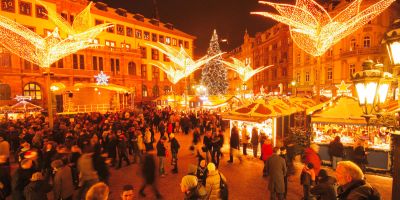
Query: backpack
{"x": 201, "y": 191}
{"x": 223, "y": 188}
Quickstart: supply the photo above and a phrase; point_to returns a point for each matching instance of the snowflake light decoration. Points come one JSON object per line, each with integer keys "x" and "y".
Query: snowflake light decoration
{"x": 244, "y": 70}
{"x": 314, "y": 30}
{"x": 44, "y": 51}
{"x": 102, "y": 78}
{"x": 183, "y": 65}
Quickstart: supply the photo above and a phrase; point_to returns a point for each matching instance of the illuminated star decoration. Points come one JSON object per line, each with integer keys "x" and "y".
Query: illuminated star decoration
{"x": 102, "y": 78}
{"x": 314, "y": 30}
{"x": 22, "y": 98}
{"x": 43, "y": 51}
{"x": 343, "y": 89}
{"x": 183, "y": 66}
{"x": 244, "y": 70}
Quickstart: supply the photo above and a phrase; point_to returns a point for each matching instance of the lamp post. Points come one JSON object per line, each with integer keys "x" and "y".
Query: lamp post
{"x": 392, "y": 42}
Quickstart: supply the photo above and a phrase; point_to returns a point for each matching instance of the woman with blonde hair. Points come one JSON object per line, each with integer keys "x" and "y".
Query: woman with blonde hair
{"x": 38, "y": 188}
{"x": 98, "y": 191}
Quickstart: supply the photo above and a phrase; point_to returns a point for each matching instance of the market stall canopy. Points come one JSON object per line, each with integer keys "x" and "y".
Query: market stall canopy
{"x": 112, "y": 87}
{"x": 24, "y": 106}
{"x": 5, "y": 109}
{"x": 261, "y": 109}
{"x": 218, "y": 101}
{"x": 341, "y": 109}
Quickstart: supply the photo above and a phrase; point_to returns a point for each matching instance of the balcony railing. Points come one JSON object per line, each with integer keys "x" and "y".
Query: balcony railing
{"x": 102, "y": 108}
{"x": 361, "y": 51}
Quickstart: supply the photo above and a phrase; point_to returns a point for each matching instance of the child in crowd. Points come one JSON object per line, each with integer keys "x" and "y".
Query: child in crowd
{"x": 307, "y": 179}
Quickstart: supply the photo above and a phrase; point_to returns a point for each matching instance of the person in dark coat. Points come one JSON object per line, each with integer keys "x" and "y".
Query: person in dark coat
{"x": 234, "y": 144}
{"x": 174, "y": 151}
{"x": 276, "y": 169}
{"x": 307, "y": 180}
{"x": 5, "y": 178}
{"x": 207, "y": 145}
{"x": 336, "y": 151}
{"x": 21, "y": 178}
{"x": 352, "y": 185}
{"x": 122, "y": 150}
{"x": 325, "y": 189}
{"x": 63, "y": 187}
{"x": 202, "y": 172}
{"x": 112, "y": 148}
{"x": 38, "y": 188}
{"x": 149, "y": 175}
{"x": 254, "y": 141}
{"x": 360, "y": 155}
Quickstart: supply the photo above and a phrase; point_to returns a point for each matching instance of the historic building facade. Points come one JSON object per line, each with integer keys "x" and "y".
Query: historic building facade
{"x": 275, "y": 47}
{"x": 123, "y": 54}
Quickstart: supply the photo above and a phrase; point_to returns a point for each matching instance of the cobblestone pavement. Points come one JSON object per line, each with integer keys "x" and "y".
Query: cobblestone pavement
{"x": 245, "y": 179}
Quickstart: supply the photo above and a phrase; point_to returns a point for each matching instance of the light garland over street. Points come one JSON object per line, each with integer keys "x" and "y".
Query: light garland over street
{"x": 244, "y": 70}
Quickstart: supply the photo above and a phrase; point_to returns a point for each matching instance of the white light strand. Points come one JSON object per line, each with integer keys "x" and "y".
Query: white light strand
{"x": 245, "y": 71}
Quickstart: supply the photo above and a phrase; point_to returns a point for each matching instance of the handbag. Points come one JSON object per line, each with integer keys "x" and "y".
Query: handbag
{"x": 223, "y": 188}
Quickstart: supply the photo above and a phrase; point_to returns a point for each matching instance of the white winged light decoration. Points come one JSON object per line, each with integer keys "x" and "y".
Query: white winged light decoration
{"x": 244, "y": 70}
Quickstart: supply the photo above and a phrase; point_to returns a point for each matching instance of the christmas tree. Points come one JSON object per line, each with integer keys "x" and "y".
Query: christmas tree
{"x": 214, "y": 75}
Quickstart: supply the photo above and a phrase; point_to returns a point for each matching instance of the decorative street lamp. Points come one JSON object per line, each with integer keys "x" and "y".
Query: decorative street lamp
{"x": 392, "y": 41}
{"x": 372, "y": 86}
{"x": 294, "y": 83}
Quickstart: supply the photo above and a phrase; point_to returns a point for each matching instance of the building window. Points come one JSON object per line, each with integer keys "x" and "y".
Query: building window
{"x": 154, "y": 37}
{"x": 110, "y": 29}
{"x": 352, "y": 69}
{"x": 298, "y": 58}
{"x": 144, "y": 91}
{"x": 167, "y": 89}
{"x": 5, "y": 92}
{"x": 60, "y": 63}
{"x": 41, "y": 12}
{"x": 168, "y": 40}
{"x": 132, "y": 68}
{"x": 367, "y": 42}
{"x": 186, "y": 44}
{"x": 81, "y": 61}
{"x": 143, "y": 51}
{"x": 307, "y": 76}
{"x": 353, "y": 44}
{"x": 33, "y": 90}
{"x": 274, "y": 74}
{"x": 94, "y": 59}
{"x": 71, "y": 19}
{"x": 143, "y": 71}
{"x": 126, "y": 46}
{"x": 156, "y": 91}
{"x": 117, "y": 68}
{"x": 101, "y": 64}
{"x": 110, "y": 43}
{"x": 5, "y": 58}
{"x": 120, "y": 29}
{"x": 161, "y": 38}
{"x": 284, "y": 72}
{"x": 138, "y": 33}
{"x": 146, "y": 35}
{"x": 112, "y": 65}
{"x": 8, "y": 5}
{"x": 75, "y": 61}
{"x": 166, "y": 58}
{"x": 129, "y": 32}
{"x": 174, "y": 42}
{"x": 298, "y": 77}
{"x": 98, "y": 22}
{"x": 154, "y": 54}
{"x": 180, "y": 43}
{"x": 25, "y": 8}
{"x": 155, "y": 72}
{"x": 329, "y": 73}
{"x": 64, "y": 16}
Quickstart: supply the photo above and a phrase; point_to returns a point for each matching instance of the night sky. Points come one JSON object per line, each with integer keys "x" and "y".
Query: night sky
{"x": 199, "y": 17}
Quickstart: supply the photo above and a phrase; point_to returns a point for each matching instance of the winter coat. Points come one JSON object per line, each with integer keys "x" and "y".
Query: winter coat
{"x": 207, "y": 142}
{"x": 234, "y": 138}
{"x": 336, "y": 149}
{"x": 358, "y": 190}
{"x": 266, "y": 151}
{"x": 174, "y": 145}
{"x": 5, "y": 179}
{"x": 245, "y": 136}
{"x": 86, "y": 168}
{"x": 325, "y": 189}
{"x": 161, "y": 150}
{"x": 312, "y": 157}
{"x": 276, "y": 169}
{"x": 201, "y": 174}
{"x": 19, "y": 180}
{"x": 254, "y": 137}
{"x": 37, "y": 190}
{"x": 149, "y": 169}
{"x": 63, "y": 184}
{"x": 359, "y": 155}
{"x": 213, "y": 184}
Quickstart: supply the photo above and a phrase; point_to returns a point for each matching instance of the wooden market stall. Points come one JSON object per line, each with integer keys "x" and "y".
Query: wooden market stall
{"x": 342, "y": 116}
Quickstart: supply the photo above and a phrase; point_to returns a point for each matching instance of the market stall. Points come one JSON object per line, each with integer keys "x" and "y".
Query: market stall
{"x": 342, "y": 116}
{"x": 20, "y": 110}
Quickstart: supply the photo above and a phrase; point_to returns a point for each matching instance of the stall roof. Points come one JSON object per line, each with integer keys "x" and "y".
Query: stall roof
{"x": 341, "y": 109}
{"x": 261, "y": 109}
{"x": 24, "y": 106}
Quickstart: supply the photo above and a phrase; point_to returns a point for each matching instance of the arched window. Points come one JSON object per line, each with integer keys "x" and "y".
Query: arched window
{"x": 144, "y": 91}
{"x": 353, "y": 44}
{"x": 33, "y": 90}
{"x": 367, "y": 42}
{"x": 156, "y": 91}
{"x": 167, "y": 89}
{"x": 132, "y": 68}
{"x": 5, "y": 92}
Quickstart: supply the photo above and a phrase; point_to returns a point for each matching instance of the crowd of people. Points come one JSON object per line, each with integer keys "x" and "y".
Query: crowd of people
{"x": 73, "y": 159}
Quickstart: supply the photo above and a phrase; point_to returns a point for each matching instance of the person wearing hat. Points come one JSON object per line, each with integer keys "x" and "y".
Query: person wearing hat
{"x": 189, "y": 186}
{"x": 38, "y": 188}
{"x": 127, "y": 193}
{"x": 63, "y": 187}
{"x": 162, "y": 154}
{"x": 174, "y": 151}
{"x": 325, "y": 189}
{"x": 213, "y": 182}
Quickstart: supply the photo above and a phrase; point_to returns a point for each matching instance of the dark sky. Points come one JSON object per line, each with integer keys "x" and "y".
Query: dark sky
{"x": 199, "y": 17}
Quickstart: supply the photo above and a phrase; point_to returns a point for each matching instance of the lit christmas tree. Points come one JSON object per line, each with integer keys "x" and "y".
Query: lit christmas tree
{"x": 214, "y": 75}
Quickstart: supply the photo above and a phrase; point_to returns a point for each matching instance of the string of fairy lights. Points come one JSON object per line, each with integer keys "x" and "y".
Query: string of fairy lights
{"x": 314, "y": 30}
{"x": 244, "y": 69}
